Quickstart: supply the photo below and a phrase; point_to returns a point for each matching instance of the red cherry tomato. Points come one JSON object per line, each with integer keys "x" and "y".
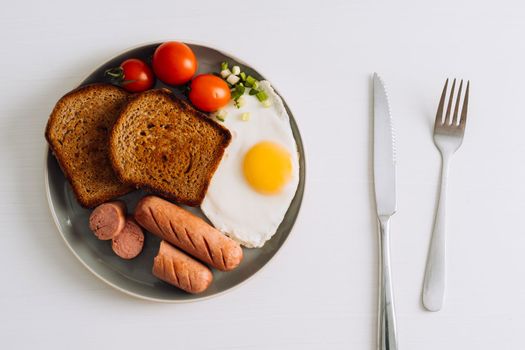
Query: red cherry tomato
{"x": 209, "y": 93}
{"x": 174, "y": 63}
{"x": 135, "y": 76}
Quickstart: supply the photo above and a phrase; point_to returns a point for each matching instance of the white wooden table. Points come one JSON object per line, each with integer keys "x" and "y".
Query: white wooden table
{"x": 320, "y": 291}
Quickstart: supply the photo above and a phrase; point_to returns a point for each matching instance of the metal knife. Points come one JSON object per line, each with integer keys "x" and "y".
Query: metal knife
{"x": 385, "y": 195}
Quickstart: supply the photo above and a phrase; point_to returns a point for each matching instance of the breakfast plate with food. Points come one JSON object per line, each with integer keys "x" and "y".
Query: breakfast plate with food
{"x": 174, "y": 172}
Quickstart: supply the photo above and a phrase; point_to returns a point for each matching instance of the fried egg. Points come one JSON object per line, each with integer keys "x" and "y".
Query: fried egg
{"x": 258, "y": 176}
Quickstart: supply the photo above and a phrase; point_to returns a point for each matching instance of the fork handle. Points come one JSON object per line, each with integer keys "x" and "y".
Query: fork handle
{"x": 435, "y": 272}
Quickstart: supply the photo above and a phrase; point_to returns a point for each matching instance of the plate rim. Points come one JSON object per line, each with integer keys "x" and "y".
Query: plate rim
{"x": 52, "y": 211}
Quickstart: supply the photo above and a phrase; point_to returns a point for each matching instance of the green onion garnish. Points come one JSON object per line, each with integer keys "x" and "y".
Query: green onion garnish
{"x": 253, "y": 92}
{"x": 235, "y": 94}
{"x": 250, "y": 81}
{"x": 221, "y": 115}
{"x": 241, "y": 89}
{"x": 261, "y": 96}
{"x": 238, "y": 91}
{"x": 225, "y": 73}
{"x": 224, "y": 65}
{"x": 236, "y": 70}
{"x": 233, "y": 79}
{"x": 243, "y": 76}
{"x": 240, "y": 102}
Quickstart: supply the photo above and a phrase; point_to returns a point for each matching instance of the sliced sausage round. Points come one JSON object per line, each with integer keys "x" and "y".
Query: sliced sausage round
{"x": 108, "y": 219}
{"x": 176, "y": 268}
{"x": 130, "y": 241}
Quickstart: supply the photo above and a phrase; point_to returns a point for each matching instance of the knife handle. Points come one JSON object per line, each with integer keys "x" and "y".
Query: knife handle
{"x": 387, "y": 335}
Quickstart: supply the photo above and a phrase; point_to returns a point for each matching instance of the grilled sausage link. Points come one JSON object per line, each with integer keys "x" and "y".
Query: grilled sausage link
{"x": 176, "y": 268}
{"x": 188, "y": 232}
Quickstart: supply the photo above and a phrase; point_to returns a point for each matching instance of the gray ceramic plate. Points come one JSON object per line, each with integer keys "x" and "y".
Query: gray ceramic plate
{"x": 134, "y": 277}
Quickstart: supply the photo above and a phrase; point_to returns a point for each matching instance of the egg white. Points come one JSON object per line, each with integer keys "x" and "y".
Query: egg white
{"x": 230, "y": 203}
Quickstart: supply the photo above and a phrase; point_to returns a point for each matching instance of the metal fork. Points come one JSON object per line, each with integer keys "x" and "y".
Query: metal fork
{"x": 448, "y": 136}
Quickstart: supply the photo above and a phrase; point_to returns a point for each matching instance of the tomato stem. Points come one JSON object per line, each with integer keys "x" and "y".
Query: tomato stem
{"x": 115, "y": 74}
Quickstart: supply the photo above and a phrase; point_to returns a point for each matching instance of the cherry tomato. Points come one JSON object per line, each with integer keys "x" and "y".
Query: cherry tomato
{"x": 209, "y": 93}
{"x": 133, "y": 75}
{"x": 137, "y": 75}
{"x": 174, "y": 63}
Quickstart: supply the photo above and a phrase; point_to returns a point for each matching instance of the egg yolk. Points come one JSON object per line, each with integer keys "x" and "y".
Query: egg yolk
{"x": 267, "y": 167}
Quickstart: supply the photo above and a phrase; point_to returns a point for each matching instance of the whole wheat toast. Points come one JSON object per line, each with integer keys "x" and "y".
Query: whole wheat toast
{"x": 77, "y": 132}
{"x": 161, "y": 143}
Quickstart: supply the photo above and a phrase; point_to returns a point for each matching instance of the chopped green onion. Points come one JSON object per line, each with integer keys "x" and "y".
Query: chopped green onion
{"x": 261, "y": 96}
{"x": 240, "y": 102}
{"x": 250, "y": 81}
{"x": 266, "y": 103}
{"x": 245, "y": 116}
{"x": 225, "y": 73}
{"x": 237, "y": 92}
{"x": 255, "y": 85}
{"x": 233, "y": 79}
{"x": 243, "y": 76}
{"x": 241, "y": 89}
{"x": 253, "y": 92}
{"x": 236, "y": 70}
{"x": 221, "y": 115}
{"x": 224, "y": 65}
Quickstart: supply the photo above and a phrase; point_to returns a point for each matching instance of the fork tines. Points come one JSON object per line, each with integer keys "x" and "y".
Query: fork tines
{"x": 445, "y": 120}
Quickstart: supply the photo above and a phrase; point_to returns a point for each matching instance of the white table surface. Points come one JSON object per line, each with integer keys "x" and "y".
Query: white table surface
{"x": 320, "y": 291}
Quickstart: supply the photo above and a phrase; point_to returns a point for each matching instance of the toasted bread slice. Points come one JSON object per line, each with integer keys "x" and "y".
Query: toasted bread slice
{"x": 161, "y": 143}
{"x": 78, "y": 131}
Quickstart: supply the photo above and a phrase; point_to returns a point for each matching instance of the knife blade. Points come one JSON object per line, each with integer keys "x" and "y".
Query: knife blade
{"x": 384, "y": 152}
{"x": 385, "y": 195}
